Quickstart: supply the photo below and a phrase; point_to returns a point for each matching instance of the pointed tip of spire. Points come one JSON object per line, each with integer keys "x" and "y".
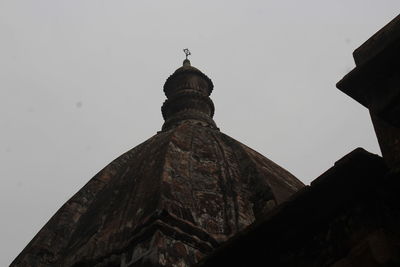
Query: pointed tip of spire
{"x": 186, "y": 63}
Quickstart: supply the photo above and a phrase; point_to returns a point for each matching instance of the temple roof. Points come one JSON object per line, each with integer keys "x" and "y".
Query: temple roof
{"x": 190, "y": 182}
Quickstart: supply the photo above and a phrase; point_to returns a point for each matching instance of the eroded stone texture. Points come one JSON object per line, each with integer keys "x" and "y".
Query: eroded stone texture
{"x": 192, "y": 184}
{"x": 170, "y": 200}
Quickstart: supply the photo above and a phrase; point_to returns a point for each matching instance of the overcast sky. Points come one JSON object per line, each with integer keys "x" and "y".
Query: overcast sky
{"x": 81, "y": 83}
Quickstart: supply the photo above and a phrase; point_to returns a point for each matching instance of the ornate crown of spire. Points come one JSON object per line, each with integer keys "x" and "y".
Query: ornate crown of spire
{"x": 188, "y": 90}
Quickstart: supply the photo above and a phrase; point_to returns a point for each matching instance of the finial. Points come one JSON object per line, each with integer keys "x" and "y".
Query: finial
{"x": 187, "y": 52}
{"x": 186, "y": 62}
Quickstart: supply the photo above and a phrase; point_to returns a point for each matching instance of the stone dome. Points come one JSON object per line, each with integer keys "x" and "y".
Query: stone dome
{"x": 170, "y": 200}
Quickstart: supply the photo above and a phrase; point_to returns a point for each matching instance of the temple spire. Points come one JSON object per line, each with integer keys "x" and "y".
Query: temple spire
{"x": 188, "y": 90}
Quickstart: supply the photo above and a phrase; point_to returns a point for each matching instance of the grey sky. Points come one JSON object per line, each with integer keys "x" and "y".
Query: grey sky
{"x": 81, "y": 83}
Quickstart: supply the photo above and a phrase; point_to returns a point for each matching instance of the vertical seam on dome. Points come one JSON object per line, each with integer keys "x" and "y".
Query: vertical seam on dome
{"x": 167, "y": 145}
{"x": 235, "y": 195}
{"x": 241, "y": 148}
{"x": 70, "y": 246}
{"x": 135, "y": 186}
{"x": 191, "y": 165}
{"x": 227, "y": 176}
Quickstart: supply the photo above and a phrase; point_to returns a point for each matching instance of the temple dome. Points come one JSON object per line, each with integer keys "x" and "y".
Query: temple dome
{"x": 171, "y": 199}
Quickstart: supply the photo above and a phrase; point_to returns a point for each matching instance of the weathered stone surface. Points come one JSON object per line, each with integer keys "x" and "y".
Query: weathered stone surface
{"x": 192, "y": 184}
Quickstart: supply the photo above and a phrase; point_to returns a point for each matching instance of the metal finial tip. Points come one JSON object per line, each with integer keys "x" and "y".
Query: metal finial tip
{"x": 187, "y": 52}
